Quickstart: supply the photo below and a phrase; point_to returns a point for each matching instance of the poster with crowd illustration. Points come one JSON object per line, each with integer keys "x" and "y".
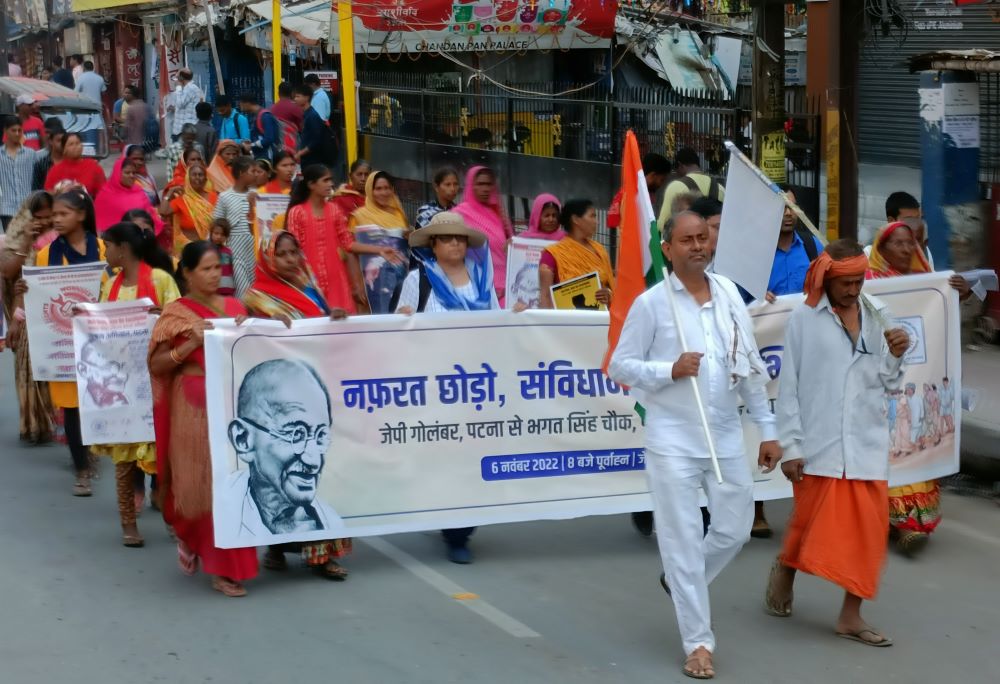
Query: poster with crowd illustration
{"x": 326, "y": 430}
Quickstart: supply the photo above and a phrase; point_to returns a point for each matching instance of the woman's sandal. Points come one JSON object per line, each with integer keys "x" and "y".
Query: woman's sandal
{"x": 699, "y": 665}
{"x": 877, "y": 640}
{"x": 82, "y": 487}
{"x": 228, "y": 587}
{"x": 187, "y": 560}
{"x": 771, "y": 606}
{"x": 133, "y": 541}
{"x": 274, "y": 560}
{"x": 332, "y": 571}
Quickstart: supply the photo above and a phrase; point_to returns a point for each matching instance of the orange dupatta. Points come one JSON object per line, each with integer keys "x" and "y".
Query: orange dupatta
{"x": 574, "y": 260}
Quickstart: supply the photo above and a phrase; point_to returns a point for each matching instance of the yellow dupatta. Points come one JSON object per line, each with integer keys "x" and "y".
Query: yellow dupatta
{"x": 371, "y": 214}
{"x": 574, "y": 259}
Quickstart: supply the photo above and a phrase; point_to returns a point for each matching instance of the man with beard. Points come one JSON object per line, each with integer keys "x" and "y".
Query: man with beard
{"x": 281, "y": 433}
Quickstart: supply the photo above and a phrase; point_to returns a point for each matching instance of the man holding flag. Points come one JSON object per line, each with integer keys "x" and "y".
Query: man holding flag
{"x": 647, "y": 353}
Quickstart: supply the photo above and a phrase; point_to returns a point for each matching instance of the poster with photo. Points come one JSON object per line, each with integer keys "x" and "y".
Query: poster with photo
{"x": 381, "y": 276}
{"x": 270, "y": 211}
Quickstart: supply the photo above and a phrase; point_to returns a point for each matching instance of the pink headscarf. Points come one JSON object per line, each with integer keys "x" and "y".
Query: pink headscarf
{"x": 534, "y": 223}
{"x": 114, "y": 200}
{"x": 491, "y": 219}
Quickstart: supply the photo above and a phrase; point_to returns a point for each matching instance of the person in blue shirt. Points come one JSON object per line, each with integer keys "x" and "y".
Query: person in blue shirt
{"x": 232, "y": 125}
{"x": 320, "y": 100}
{"x": 265, "y": 135}
{"x": 795, "y": 251}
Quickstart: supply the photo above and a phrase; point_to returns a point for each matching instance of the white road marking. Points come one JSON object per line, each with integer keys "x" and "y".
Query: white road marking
{"x": 970, "y": 532}
{"x": 487, "y": 611}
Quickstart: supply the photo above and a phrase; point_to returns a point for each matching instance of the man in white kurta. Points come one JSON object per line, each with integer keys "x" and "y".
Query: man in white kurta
{"x": 723, "y": 358}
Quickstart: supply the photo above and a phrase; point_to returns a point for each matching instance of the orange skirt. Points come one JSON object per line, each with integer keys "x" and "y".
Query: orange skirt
{"x": 838, "y": 531}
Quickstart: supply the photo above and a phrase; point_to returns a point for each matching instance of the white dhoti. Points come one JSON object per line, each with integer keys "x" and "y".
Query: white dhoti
{"x": 690, "y": 560}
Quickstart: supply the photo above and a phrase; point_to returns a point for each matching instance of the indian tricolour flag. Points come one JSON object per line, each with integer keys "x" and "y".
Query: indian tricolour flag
{"x": 640, "y": 261}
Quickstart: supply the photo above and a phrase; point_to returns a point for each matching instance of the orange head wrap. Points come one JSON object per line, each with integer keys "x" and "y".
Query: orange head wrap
{"x": 824, "y": 268}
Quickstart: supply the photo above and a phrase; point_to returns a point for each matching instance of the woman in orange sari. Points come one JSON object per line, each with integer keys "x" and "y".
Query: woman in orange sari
{"x": 184, "y": 469}
{"x": 190, "y": 208}
{"x": 915, "y": 509}
{"x": 575, "y": 255}
{"x": 188, "y": 159}
{"x": 219, "y": 173}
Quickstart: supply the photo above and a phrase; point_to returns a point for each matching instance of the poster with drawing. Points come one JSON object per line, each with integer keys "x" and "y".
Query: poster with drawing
{"x": 52, "y": 293}
{"x": 111, "y": 342}
{"x": 523, "y": 255}
{"x": 578, "y": 293}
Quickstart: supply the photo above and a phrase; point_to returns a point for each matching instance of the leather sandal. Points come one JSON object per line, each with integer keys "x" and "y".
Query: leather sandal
{"x": 228, "y": 587}
{"x": 82, "y": 486}
{"x": 133, "y": 541}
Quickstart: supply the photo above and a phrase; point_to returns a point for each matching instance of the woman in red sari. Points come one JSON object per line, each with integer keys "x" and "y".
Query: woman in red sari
{"x": 76, "y": 168}
{"x": 351, "y": 195}
{"x": 321, "y": 229}
{"x": 184, "y": 469}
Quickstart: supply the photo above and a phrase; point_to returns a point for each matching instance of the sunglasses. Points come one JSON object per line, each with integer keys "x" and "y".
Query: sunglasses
{"x": 451, "y": 238}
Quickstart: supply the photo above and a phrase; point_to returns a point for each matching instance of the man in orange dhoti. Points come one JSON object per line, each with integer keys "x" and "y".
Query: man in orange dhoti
{"x": 838, "y": 361}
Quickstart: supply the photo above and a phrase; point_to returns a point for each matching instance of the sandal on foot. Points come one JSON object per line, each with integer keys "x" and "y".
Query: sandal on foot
{"x": 761, "y": 530}
{"x": 228, "y": 587}
{"x": 187, "y": 560}
{"x": 861, "y": 636}
{"x": 911, "y": 543}
{"x": 332, "y": 571}
{"x": 699, "y": 661}
{"x": 274, "y": 560}
{"x": 133, "y": 541}
{"x": 82, "y": 487}
{"x": 771, "y": 604}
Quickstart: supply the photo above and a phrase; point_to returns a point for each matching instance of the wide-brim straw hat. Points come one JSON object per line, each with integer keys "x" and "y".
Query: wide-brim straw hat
{"x": 446, "y": 223}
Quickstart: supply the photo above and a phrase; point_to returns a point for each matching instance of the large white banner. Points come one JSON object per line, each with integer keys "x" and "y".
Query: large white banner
{"x": 385, "y": 424}
{"x": 53, "y": 291}
{"x": 111, "y": 342}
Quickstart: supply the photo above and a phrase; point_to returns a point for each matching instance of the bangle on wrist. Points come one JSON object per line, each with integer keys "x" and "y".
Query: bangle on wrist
{"x": 176, "y": 359}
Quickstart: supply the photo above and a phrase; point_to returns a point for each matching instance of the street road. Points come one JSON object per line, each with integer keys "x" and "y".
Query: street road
{"x": 573, "y": 601}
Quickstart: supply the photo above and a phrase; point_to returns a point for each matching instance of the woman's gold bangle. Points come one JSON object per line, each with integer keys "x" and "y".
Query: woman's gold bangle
{"x": 176, "y": 359}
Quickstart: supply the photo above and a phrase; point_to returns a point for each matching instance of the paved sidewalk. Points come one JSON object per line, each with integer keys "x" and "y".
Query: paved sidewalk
{"x": 981, "y": 428}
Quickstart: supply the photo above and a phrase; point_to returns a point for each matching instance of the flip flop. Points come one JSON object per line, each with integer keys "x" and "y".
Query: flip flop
{"x": 857, "y": 636}
{"x": 332, "y": 571}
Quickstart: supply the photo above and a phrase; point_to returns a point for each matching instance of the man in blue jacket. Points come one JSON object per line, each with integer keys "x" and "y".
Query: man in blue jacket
{"x": 314, "y": 140}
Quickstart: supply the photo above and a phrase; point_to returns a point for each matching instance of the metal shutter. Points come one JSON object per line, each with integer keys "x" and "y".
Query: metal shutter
{"x": 888, "y": 123}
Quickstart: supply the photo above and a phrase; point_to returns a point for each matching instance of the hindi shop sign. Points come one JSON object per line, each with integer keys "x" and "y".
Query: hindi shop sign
{"x": 432, "y": 424}
{"x": 480, "y": 25}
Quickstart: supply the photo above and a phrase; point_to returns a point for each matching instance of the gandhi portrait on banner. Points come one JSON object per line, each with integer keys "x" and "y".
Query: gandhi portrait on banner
{"x": 281, "y": 433}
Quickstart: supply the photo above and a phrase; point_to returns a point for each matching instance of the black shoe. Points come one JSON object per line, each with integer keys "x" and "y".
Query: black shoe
{"x": 663, "y": 583}
{"x": 643, "y": 523}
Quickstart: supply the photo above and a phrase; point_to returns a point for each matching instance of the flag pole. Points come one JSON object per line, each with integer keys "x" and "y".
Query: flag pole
{"x": 669, "y": 286}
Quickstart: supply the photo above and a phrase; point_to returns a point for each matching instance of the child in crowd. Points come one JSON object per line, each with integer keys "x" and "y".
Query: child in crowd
{"x": 236, "y": 205}
{"x": 219, "y": 235}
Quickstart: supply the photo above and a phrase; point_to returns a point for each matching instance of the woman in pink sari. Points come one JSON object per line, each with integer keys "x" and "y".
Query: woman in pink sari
{"x": 544, "y": 221}
{"x": 121, "y": 194}
{"x": 482, "y": 210}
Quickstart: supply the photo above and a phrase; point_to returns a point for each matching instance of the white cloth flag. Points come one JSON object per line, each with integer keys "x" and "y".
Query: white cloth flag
{"x": 751, "y": 221}
{"x": 53, "y": 291}
{"x": 111, "y": 342}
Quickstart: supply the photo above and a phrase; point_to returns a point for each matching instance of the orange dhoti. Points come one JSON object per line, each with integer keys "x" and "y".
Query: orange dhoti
{"x": 838, "y": 531}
